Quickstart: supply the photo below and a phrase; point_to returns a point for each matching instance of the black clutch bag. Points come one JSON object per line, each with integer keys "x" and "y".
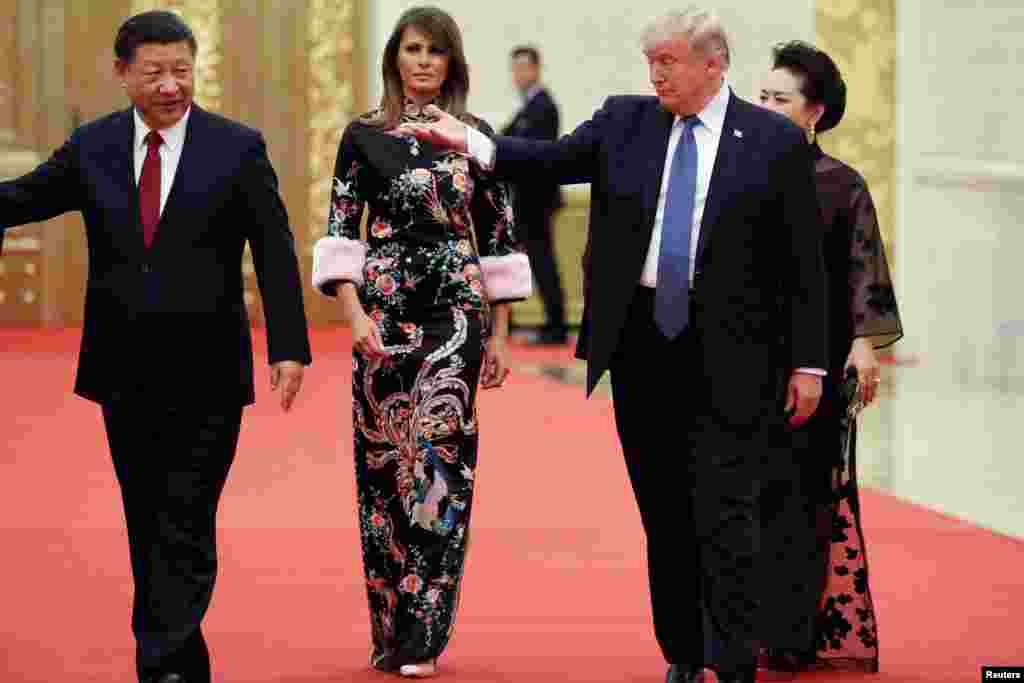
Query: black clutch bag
{"x": 852, "y": 393}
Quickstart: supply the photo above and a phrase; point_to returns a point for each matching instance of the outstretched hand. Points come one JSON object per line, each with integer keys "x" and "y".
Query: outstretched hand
{"x": 445, "y": 131}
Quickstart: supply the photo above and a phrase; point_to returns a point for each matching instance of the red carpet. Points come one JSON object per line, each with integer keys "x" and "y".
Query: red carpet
{"x": 555, "y": 588}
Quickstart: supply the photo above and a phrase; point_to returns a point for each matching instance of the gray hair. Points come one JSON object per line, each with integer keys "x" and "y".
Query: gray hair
{"x": 701, "y": 28}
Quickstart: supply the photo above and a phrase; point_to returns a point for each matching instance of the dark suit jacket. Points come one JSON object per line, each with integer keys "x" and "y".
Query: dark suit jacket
{"x": 760, "y": 277}
{"x": 168, "y": 324}
{"x": 538, "y": 120}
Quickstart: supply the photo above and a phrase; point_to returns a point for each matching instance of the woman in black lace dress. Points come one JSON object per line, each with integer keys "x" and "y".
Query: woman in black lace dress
{"x": 817, "y": 601}
{"x": 426, "y": 292}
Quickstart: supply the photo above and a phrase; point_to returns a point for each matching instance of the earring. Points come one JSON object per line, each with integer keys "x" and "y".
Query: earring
{"x": 810, "y": 135}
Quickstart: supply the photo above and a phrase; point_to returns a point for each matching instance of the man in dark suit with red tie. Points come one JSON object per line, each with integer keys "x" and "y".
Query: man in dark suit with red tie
{"x": 537, "y": 200}
{"x": 171, "y": 194}
{"x": 706, "y": 301}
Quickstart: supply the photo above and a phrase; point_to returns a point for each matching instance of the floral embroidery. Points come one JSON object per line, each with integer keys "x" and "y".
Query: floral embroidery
{"x": 414, "y": 413}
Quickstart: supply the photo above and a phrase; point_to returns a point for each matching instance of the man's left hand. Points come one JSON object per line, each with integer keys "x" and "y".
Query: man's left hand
{"x": 802, "y": 397}
{"x": 286, "y": 375}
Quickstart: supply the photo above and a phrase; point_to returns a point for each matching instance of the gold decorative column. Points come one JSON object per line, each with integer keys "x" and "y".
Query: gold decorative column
{"x": 15, "y": 160}
{"x": 334, "y": 30}
{"x": 860, "y": 35}
{"x": 204, "y": 18}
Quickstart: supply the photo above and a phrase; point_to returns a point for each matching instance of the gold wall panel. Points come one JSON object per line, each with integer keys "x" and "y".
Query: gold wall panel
{"x": 8, "y": 67}
{"x": 860, "y": 35}
{"x": 336, "y": 61}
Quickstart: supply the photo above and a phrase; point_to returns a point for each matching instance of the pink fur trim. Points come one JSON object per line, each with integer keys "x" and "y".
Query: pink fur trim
{"x": 338, "y": 259}
{"x": 507, "y": 278}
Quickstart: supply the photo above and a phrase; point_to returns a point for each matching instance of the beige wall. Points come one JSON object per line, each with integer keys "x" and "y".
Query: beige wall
{"x": 590, "y": 49}
{"x": 960, "y": 166}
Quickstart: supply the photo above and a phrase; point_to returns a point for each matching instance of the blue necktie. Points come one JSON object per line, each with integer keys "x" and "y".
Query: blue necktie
{"x": 672, "y": 295}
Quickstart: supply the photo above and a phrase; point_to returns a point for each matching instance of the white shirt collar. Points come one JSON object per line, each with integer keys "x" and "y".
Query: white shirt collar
{"x": 531, "y": 92}
{"x": 713, "y": 114}
{"x": 174, "y": 137}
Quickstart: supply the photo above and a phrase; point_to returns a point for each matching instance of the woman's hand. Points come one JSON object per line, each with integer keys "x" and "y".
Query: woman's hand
{"x": 366, "y": 337}
{"x": 862, "y": 358}
{"x": 495, "y": 364}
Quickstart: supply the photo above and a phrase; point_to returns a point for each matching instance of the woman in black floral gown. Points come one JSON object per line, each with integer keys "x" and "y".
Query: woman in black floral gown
{"x": 817, "y": 602}
{"x": 426, "y": 293}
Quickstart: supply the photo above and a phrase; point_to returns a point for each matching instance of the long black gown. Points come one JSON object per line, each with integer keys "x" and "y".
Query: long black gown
{"x": 817, "y": 602}
{"x": 416, "y": 434}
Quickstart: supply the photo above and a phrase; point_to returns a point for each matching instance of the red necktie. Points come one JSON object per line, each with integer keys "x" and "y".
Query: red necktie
{"x": 149, "y": 187}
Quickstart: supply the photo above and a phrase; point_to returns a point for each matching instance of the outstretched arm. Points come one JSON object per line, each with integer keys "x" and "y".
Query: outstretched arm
{"x": 51, "y": 189}
{"x": 571, "y": 159}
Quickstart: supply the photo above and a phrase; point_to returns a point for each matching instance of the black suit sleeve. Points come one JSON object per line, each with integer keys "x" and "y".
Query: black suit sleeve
{"x": 806, "y": 284}
{"x": 273, "y": 255}
{"x": 571, "y": 159}
{"x": 51, "y": 189}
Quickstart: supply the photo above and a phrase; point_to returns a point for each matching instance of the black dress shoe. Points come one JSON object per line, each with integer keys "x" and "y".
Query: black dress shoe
{"x": 777, "y": 664}
{"x": 680, "y": 674}
{"x": 170, "y": 678}
{"x": 748, "y": 676}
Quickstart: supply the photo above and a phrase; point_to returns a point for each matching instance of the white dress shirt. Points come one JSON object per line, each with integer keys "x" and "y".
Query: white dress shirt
{"x": 170, "y": 152}
{"x": 706, "y": 134}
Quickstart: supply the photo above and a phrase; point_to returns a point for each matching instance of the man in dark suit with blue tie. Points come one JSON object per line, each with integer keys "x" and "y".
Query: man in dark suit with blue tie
{"x": 537, "y": 199}
{"x": 706, "y": 301}
{"x": 171, "y": 194}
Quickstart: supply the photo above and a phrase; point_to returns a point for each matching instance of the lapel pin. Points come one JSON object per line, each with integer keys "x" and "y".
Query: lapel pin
{"x": 738, "y": 133}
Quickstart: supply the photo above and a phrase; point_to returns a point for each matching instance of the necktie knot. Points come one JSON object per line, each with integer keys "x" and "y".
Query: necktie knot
{"x": 154, "y": 140}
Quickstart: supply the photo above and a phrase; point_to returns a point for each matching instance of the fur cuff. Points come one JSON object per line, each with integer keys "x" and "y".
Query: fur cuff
{"x": 507, "y": 278}
{"x": 338, "y": 259}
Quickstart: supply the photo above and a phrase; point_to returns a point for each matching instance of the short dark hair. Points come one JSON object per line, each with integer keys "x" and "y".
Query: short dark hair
{"x": 156, "y": 26}
{"x": 528, "y": 51}
{"x": 822, "y": 82}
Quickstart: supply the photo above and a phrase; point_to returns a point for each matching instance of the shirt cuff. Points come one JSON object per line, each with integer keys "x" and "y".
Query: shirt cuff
{"x": 480, "y": 147}
{"x": 811, "y": 371}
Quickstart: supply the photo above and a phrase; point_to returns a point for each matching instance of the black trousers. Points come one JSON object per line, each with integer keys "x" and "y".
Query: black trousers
{"x": 536, "y": 226}
{"x": 171, "y": 466}
{"x": 696, "y": 484}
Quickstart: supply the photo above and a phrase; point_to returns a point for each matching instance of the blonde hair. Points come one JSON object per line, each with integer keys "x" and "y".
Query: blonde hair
{"x": 702, "y": 29}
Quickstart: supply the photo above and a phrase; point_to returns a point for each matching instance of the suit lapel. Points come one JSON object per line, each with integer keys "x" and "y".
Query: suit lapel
{"x": 653, "y": 147}
{"x": 122, "y": 166}
{"x": 721, "y": 186}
